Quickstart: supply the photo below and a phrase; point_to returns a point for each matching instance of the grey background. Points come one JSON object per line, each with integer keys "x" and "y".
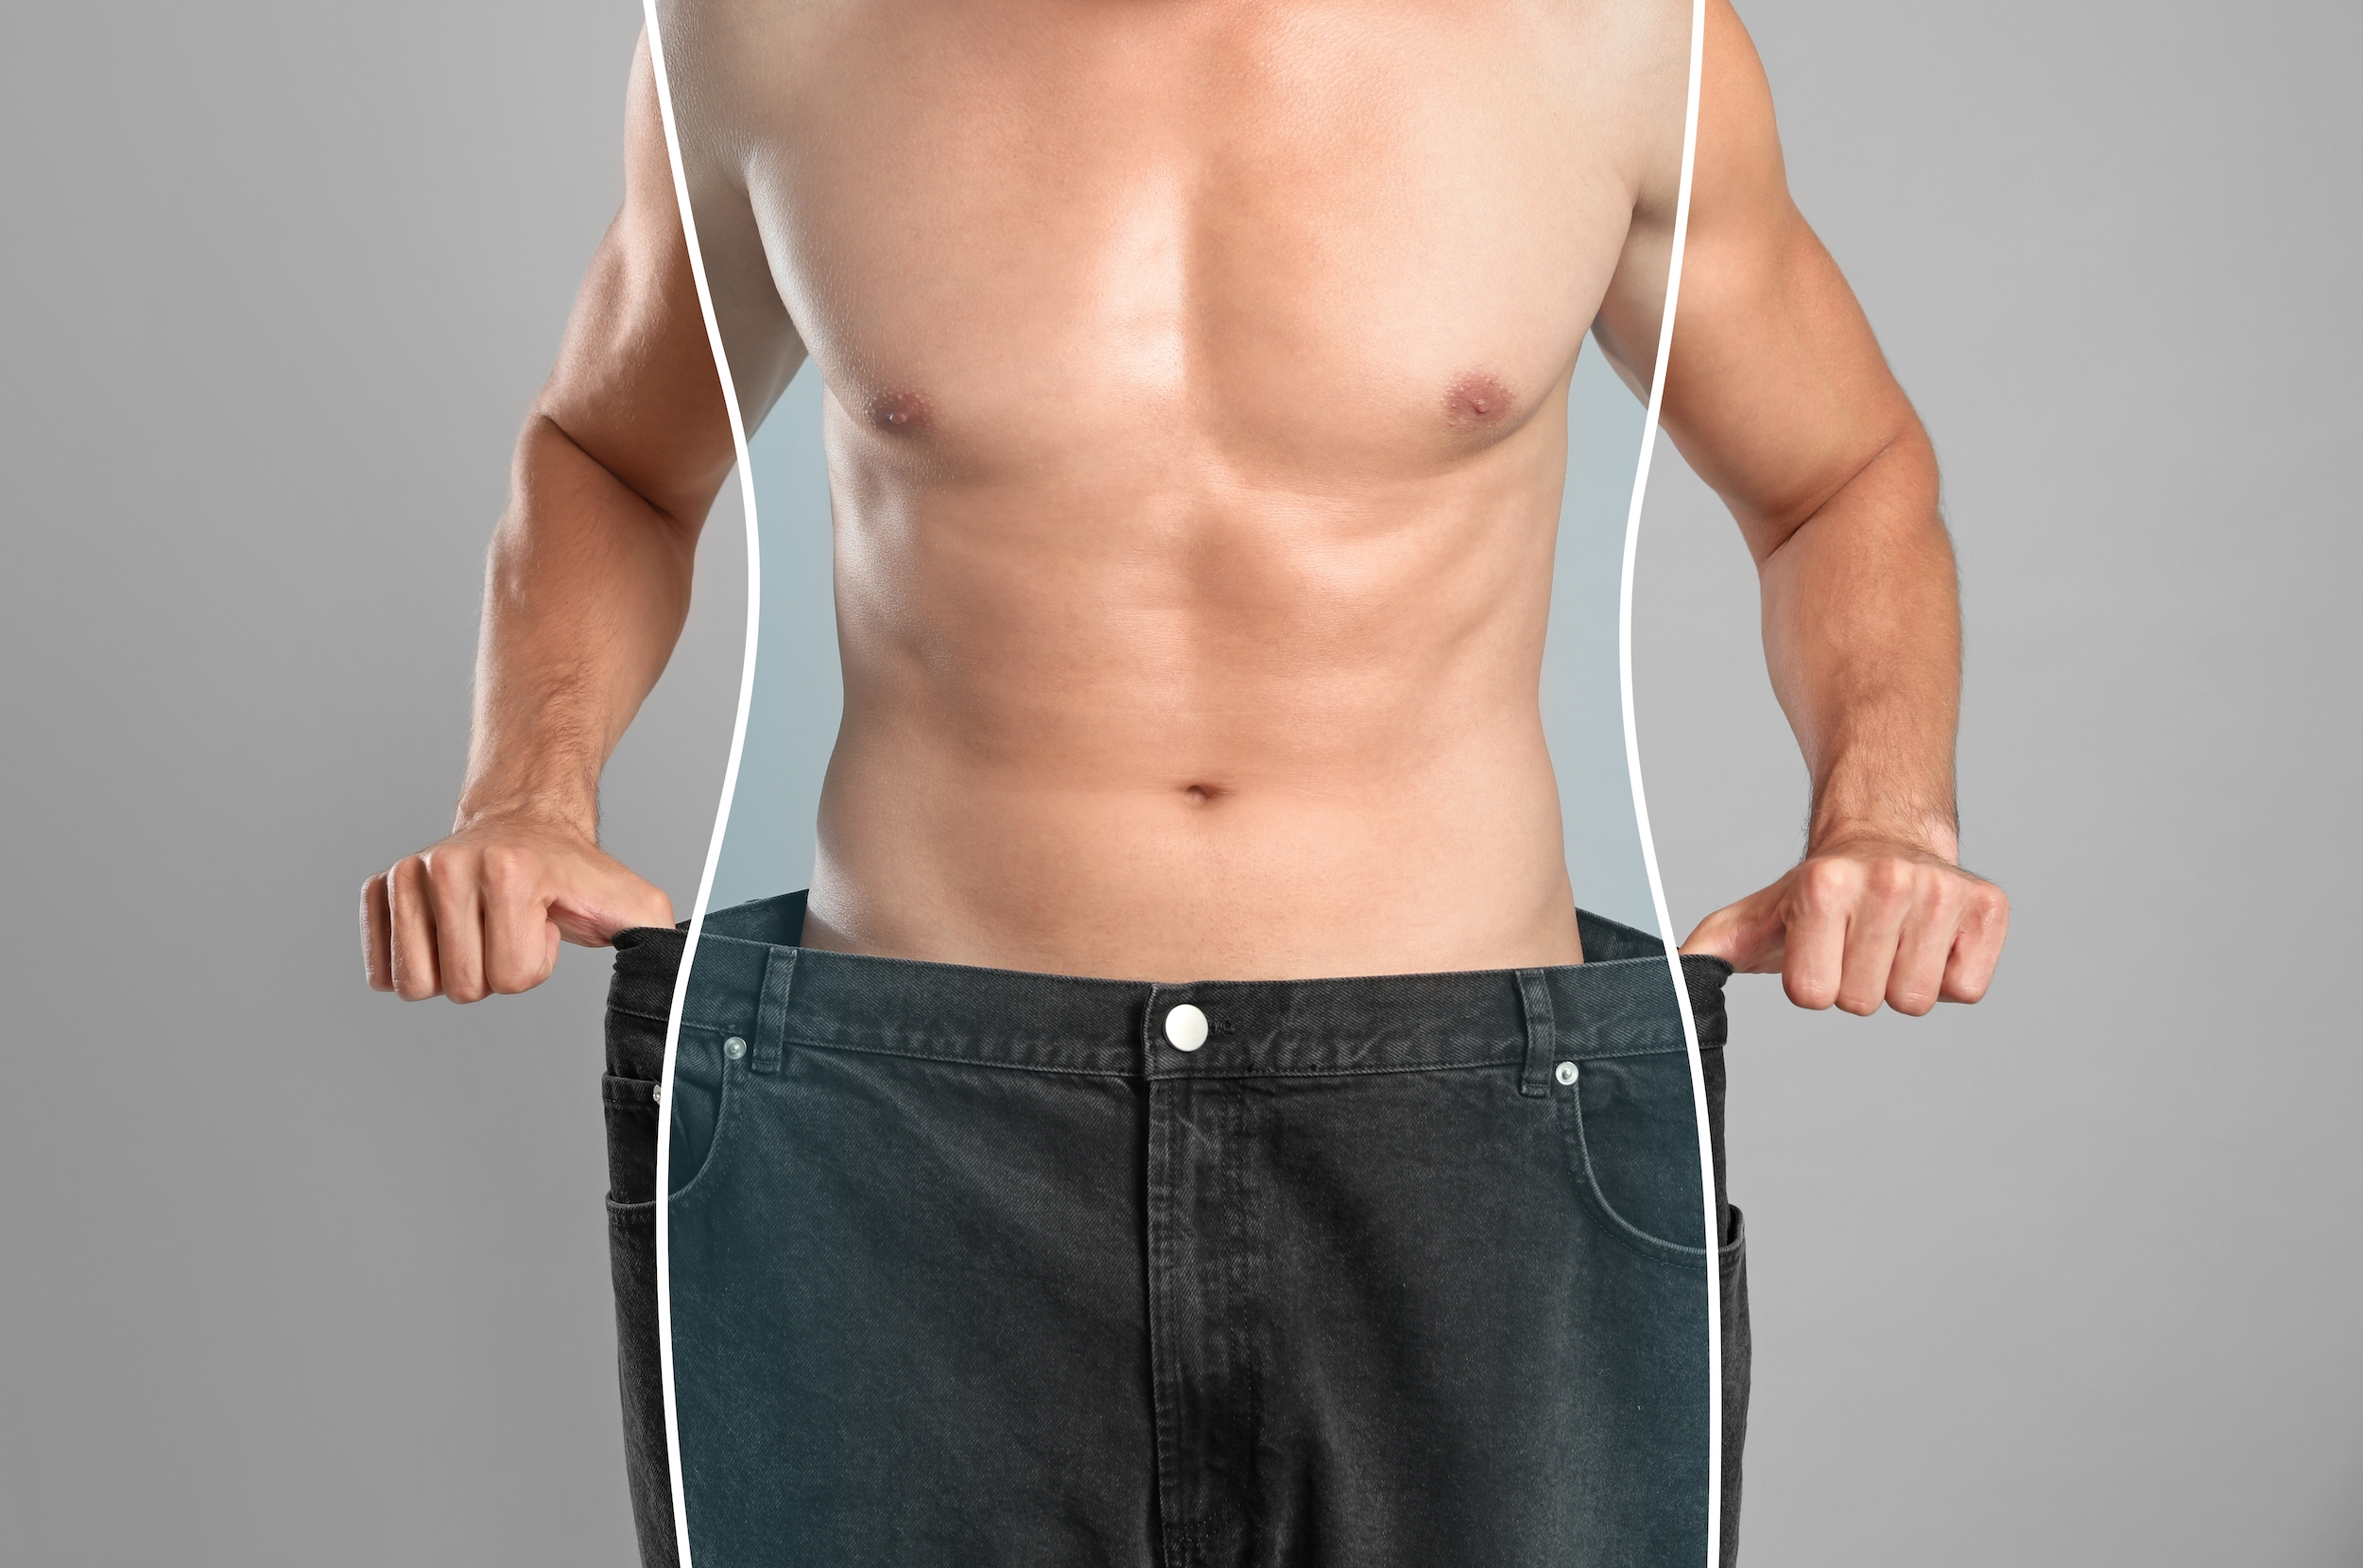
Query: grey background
{"x": 290, "y": 1273}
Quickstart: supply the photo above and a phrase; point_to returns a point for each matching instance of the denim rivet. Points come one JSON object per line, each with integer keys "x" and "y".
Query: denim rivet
{"x": 1186, "y": 1026}
{"x": 734, "y": 1047}
{"x": 1565, "y": 1071}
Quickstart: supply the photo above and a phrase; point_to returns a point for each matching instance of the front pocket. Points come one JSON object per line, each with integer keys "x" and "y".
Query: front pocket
{"x": 705, "y": 1081}
{"x": 1630, "y": 1126}
{"x": 703, "y": 1076}
{"x": 631, "y": 1105}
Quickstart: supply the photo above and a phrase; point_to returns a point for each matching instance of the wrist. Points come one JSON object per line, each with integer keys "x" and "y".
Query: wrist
{"x": 1926, "y": 832}
{"x": 565, "y": 814}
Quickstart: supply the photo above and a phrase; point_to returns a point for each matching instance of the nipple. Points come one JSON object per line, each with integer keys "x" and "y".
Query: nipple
{"x": 897, "y": 411}
{"x": 1478, "y": 398}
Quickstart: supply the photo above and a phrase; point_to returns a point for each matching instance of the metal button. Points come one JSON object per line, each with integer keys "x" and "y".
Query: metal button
{"x": 1565, "y": 1071}
{"x": 734, "y": 1047}
{"x": 1186, "y": 1028}
{"x": 656, "y": 1092}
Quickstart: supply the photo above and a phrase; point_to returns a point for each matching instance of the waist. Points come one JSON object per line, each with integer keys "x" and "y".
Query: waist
{"x": 753, "y": 979}
{"x": 1455, "y": 865}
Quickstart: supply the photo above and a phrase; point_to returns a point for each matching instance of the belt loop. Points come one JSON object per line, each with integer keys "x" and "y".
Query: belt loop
{"x": 779, "y": 970}
{"x": 1534, "y": 990}
{"x": 1149, "y": 1033}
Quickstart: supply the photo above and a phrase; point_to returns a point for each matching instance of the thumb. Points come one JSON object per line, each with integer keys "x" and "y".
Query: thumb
{"x": 593, "y": 909}
{"x": 1747, "y": 934}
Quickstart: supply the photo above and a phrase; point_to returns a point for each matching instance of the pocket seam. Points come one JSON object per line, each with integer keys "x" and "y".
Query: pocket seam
{"x": 726, "y": 1101}
{"x": 620, "y": 1092}
{"x": 643, "y": 1101}
{"x": 1568, "y": 1108}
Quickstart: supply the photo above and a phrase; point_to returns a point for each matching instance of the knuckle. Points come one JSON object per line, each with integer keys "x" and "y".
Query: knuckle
{"x": 506, "y": 865}
{"x": 446, "y": 862}
{"x": 413, "y": 879}
{"x": 1822, "y": 877}
{"x": 1827, "y": 889}
{"x": 1891, "y": 879}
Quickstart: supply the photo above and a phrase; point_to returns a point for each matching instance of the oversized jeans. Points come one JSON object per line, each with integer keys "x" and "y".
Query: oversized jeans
{"x": 974, "y": 1268}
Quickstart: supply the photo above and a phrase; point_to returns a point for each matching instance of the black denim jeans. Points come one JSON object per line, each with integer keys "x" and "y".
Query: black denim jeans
{"x": 981, "y": 1269}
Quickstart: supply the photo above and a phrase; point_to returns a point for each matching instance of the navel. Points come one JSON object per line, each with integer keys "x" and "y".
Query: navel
{"x": 902, "y": 412}
{"x": 1478, "y": 398}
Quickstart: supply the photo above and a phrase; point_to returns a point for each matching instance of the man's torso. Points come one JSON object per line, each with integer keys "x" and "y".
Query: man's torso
{"x": 1197, "y": 423}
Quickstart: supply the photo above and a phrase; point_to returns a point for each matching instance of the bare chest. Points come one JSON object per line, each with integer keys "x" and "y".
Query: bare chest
{"x": 1306, "y": 238}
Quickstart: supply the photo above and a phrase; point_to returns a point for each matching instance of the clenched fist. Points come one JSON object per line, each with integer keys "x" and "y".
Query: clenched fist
{"x": 1863, "y": 921}
{"x": 484, "y": 911}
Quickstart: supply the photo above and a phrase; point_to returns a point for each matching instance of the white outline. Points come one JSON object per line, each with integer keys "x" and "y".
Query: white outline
{"x": 1641, "y": 809}
{"x": 1632, "y": 766}
{"x": 730, "y": 781}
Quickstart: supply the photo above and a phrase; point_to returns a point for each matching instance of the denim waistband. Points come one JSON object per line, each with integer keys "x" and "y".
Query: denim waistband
{"x": 751, "y": 978}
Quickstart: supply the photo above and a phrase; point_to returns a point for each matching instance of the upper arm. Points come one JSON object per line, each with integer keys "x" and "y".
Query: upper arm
{"x": 1776, "y": 394}
{"x": 635, "y": 385}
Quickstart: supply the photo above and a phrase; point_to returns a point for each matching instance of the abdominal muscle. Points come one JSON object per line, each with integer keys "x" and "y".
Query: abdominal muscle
{"x": 1197, "y": 424}
{"x": 1178, "y": 719}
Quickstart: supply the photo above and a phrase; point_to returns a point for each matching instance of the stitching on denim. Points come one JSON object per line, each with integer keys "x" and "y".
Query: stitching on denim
{"x": 1542, "y": 1033}
{"x": 1675, "y": 1050}
{"x": 1161, "y": 1076}
{"x": 961, "y": 1062}
{"x": 1179, "y": 1535}
{"x": 1250, "y": 1255}
{"x": 725, "y": 1100}
{"x": 1453, "y": 1065}
{"x": 1210, "y": 1072}
{"x": 654, "y": 1017}
{"x": 642, "y": 1091}
{"x": 1619, "y": 1227}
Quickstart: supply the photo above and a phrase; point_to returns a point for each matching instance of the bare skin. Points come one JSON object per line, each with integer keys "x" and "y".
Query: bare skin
{"x": 1197, "y": 420}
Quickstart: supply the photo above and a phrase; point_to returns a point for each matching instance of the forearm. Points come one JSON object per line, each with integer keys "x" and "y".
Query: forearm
{"x": 1862, "y": 638}
{"x": 1781, "y": 400}
{"x": 585, "y": 596}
